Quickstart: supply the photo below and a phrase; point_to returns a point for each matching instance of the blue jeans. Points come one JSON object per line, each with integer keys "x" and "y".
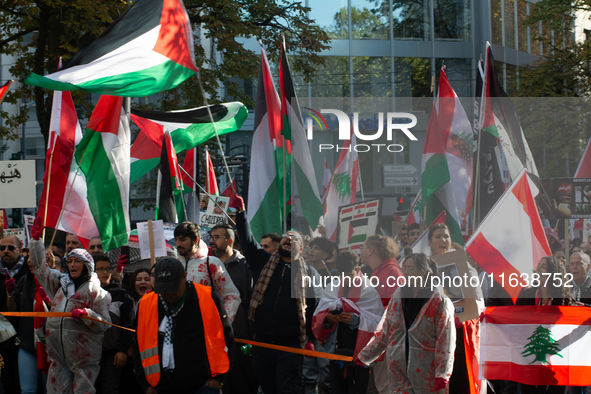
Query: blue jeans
{"x": 28, "y": 373}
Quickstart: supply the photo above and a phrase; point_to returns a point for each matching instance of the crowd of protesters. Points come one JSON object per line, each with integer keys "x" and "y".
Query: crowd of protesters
{"x": 175, "y": 323}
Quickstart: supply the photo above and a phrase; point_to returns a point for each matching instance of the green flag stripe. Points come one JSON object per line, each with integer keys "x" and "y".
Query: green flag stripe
{"x": 492, "y": 129}
{"x": 137, "y": 83}
{"x": 436, "y": 174}
{"x": 106, "y": 208}
{"x": 311, "y": 206}
{"x": 358, "y": 238}
{"x": 267, "y": 218}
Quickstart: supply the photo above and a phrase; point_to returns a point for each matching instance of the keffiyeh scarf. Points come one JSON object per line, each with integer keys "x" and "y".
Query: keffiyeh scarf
{"x": 166, "y": 327}
{"x": 258, "y": 293}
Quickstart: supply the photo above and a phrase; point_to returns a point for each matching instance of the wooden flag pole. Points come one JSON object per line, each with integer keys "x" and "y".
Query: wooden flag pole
{"x": 151, "y": 238}
{"x": 47, "y": 193}
{"x": 566, "y": 241}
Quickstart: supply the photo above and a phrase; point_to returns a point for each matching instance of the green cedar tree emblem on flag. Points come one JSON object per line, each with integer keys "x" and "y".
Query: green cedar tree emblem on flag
{"x": 342, "y": 185}
{"x": 540, "y": 345}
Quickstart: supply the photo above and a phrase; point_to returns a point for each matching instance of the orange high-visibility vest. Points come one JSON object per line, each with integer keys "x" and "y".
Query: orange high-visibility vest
{"x": 147, "y": 334}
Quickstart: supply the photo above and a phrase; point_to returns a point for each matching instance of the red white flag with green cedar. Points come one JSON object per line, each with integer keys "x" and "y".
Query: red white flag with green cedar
{"x": 103, "y": 179}
{"x": 149, "y": 49}
{"x": 537, "y": 345}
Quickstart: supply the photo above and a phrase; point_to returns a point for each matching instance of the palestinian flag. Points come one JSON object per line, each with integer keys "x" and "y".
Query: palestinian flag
{"x": 103, "y": 156}
{"x": 147, "y": 50}
{"x": 4, "y": 89}
{"x": 211, "y": 183}
{"x": 437, "y": 190}
{"x": 189, "y": 186}
{"x": 355, "y": 222}
{"x": 537, "y": 345}
{"x": 265, "y": 207}
{"x": 306, "y": 186}
{"x": 188, "y": 128}
{"x": 168, "y": 183}
{"x": 60, "y": 169}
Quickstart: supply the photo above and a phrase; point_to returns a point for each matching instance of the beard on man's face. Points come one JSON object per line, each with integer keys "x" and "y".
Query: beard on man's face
{"x": 283, "y": 252}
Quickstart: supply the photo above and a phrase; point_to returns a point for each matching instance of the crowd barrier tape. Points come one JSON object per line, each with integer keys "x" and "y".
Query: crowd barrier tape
{"x": 303, "y": 352}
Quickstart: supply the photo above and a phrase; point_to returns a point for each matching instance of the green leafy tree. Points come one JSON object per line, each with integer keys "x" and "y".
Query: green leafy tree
{"x": 541, "y": 344}
{"x": 38, "y": 32}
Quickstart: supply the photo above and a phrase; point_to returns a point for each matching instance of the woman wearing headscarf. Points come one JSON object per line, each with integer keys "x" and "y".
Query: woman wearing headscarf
{"x": 74, "y": 344}
{"x": 416, "y": 332}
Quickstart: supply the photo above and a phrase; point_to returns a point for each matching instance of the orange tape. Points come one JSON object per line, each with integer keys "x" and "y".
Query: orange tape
{"x": 60, "y": 314}
{"x": 303, "y": 352}
{"x": 296, "y": 351}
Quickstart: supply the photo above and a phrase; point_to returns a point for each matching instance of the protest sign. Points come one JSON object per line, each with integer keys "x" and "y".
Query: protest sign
{"x": 358, "y": 221}
{"x": 455, "y": 265}
{"x": 17, "y": 184}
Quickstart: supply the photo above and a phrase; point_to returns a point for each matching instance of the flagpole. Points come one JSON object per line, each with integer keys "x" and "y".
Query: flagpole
{"x": 48, "y": 185}
{"x": 214, "y": 129}
{"x": 480, "y": 120}
{"x": 284, "y": 188}
{"x": 208, "y": 195}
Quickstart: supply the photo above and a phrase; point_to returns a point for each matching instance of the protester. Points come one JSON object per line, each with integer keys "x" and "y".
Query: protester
{"x": 14, "y": 262}
{"x": 270, "y": 242}
{"x": 29, "y": 296}
{"x": 116, "y": 342}
{"x": 403, "y": 237}
{"x": 139, "y": 283}
{"x": 414, "y": 231}
{"x": 73, "y": 242}
{"x": 321, "y": 249}
{"x": 277, "y": 316}
{"x": 417, "y": 333}
{"x": 579, "y": 269}
{"x": 547, "y": 293}
{"x": 183, "y": 336}
{"x": 241, "y": 378}
{"x": 204, "y": 269}
{"x": 95, "y": 246}
{"x": 345, "y": 316}
{"x": 468, "y": 332}
{"x": 74, "y": 344}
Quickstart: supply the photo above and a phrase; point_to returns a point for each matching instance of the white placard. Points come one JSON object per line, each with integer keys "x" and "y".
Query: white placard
{"x": 17, "y": 184}
{"x": 144, "y": 238}
{"x": 214, "y": 215}
{"x": 586, "y": 229}
{"x": 18, "y": 232}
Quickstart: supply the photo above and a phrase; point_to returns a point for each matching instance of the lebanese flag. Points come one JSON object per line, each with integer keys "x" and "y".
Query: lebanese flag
{"x": 188, "y": 128}
{"x": 147, "y": 50}
{"x": 363, "y": 300}
{"x": 537, "y": 345}
{"x": 211, "y": 183}
{"x": 64, "y": 135}
{"x": 510, "y": 241}
{"x": 4, "y": 89}
{"x": 584, "y": 168}
{"x": 343, "y": 186}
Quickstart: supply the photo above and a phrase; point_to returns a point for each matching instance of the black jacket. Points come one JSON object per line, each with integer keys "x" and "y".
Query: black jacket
{"x": 121, "y": 312}
{"x": 239, "y": 272}
{"x": 190, "y": 355}
{"x": 24, "y": 297}
{"x": 24, "y": 270}
{"x": 276, "y": 319}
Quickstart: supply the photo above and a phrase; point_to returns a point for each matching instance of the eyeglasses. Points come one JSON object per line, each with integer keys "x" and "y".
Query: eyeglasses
{"x": 11, "y": 248}
{"x": 103, "y": 270}
{"x": 216, "y": 237}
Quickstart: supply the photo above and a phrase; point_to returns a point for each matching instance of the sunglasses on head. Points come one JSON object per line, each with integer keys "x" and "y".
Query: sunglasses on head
{"x": 11, "y": 248}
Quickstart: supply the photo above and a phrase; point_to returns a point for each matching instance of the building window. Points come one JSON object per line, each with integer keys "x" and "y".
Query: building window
{"x": 332, "y": 80}
{"x": 452, "y": 20}
{"x": 411, "y": 20}
{"x": 371, "y": 77}
{"x": 509, "y": 19}
{"x": 370, "y": 19}
{"x": 332, "y": 16}
{"x": 459, "y": 74}
{"x": 496, "y": 20}
{"x": 521, "y": 27}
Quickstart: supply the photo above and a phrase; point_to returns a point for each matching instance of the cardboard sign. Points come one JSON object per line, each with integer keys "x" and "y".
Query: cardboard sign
{"x": 18, "y": 232}
{"x": 214, "y": 215}
{"x": 144, "y": 239}
{"x": 570, "y": 197}
{"x": 357, "y": 222}
{"x": 455, "y": 265}
{"x": 17, "y": 184}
